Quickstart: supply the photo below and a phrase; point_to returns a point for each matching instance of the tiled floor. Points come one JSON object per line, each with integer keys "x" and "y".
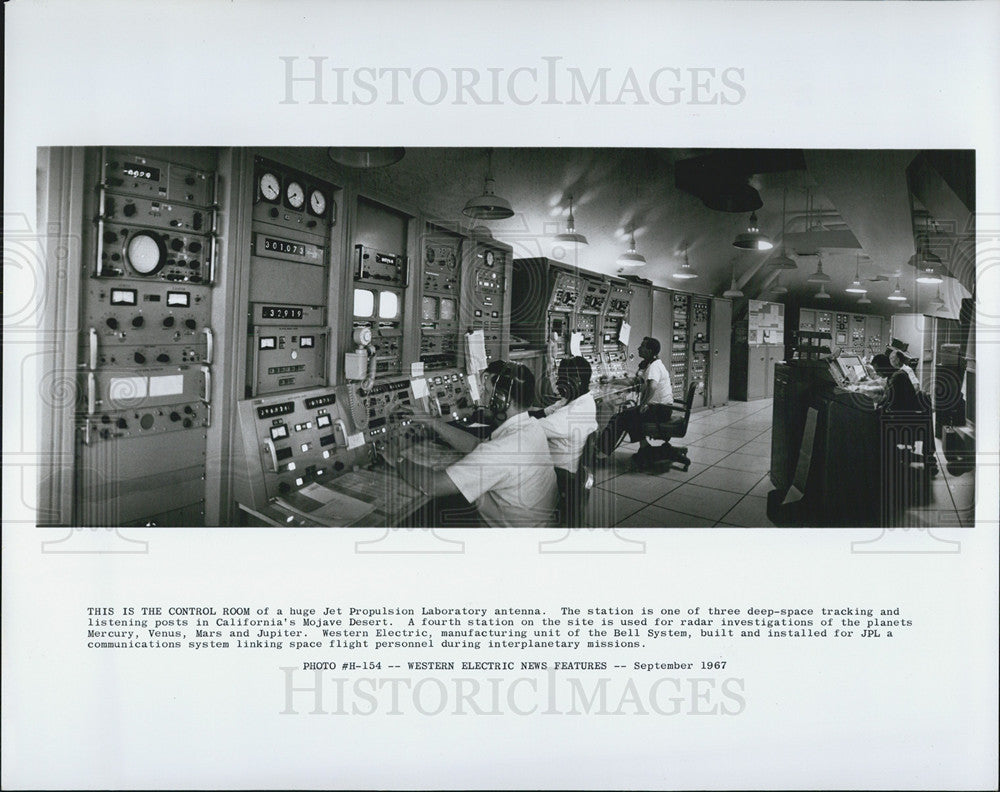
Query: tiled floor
{"x": 728, "y": 480}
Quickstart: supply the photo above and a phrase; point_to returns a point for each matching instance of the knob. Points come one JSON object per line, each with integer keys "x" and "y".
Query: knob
{"x": 176, "y": 244}
{"x": 105, "y": 419}
{"x": 139, "y": 358}
{"x": 168, "y": 321}
{"x": 129, "y": 210}
{"x": 311, "y": 224}
{"x": 187, "y": 423}
{"x": 138, "y": 321}
{"x": 195, "y": 247}
{"x": 189, "y": 409}
{"x": 196, "y": 221}
{"x": 189, "y": 181}
{"x": 175, "y": 416}
{"x": 110, "y": 237}
{"x": 190, "y": 324}
{"x": 194, "y": 264}
{"x": 111, "y": 322}
{"x": 163, "y": 357}
{"x": 274, "y": 212}
{"x": 283, "y": 487}
{"x": 122, "y": 423}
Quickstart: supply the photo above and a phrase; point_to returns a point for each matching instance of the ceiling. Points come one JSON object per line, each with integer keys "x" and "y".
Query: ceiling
{"x": 864, "y": 212}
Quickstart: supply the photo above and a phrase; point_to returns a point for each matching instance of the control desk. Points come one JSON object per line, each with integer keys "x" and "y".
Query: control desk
{"x": 313, "y": 458}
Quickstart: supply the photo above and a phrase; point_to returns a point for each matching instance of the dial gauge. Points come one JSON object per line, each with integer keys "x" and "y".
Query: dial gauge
{"x": 317, "y": 203}
{"x": 295, "y": 195}
{"x": 270, "y": 187}
{"x": 489, "y": 258}
{"x": 146, "y": 253}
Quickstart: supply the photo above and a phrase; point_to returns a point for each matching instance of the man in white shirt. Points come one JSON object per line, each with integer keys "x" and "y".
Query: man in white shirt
{"x": 656, "y": 395}
{"x": 574, "y": 417}
{"x": 509, "y": 477}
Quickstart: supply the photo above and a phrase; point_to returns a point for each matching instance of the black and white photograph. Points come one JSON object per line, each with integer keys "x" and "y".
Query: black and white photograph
{"x": 501, "y": 395}
{"x": 533, "y": 337}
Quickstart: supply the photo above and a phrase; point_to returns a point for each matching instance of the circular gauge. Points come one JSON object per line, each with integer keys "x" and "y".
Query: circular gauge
{"x": 317, "y": 203}
{"x": 145, "y": 253}
{"x": 295, "y": 195}
{"x": 489, "y": 258}
{"x": 270, "y": 187}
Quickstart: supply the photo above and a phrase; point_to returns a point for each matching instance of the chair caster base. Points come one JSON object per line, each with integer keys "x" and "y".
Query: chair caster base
{"x": 661, "y": 457}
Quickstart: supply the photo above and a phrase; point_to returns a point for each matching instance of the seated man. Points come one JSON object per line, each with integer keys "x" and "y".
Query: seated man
{"x": 509, "y": 477}
{"x": 656, "y": 395}
{"x": 568, "y": 423}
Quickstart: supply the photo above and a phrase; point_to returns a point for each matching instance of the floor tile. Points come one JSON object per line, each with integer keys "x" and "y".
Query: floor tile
{"x": 748, "y": 462}
{"x": 706, "y": 456}
{"x": 639, "y": 486}
{"x": 762, "y": 488}
{"x": 729, "y": 480}
{"x": 737, "y": 434}
{"x": 677, "y": 474}
{"x": 605, "y": 509}
{"x": 711, "y": 504}
{"x": 657, "y": 517}
{"x": 720, "y": 443}
{"x": 750, "y": 512}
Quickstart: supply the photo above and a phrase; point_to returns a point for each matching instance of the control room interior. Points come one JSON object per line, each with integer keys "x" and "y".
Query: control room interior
{"x": 213, "y": 313}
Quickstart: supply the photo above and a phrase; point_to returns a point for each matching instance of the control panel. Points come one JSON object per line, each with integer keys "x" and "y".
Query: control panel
{"x": 700, "y": 350}
{"x": 439, "y": 325}
{"x": 485, "y": 303}
{"x": 146, "y": 341}
{"x": 679, "y": 343}
{"x": 565, "y": 292}
{"x": 288, "y": 344}
{"x": 614, "y": 354}
{"x": 290, "y": 441}
{"x": 593, "y": 296}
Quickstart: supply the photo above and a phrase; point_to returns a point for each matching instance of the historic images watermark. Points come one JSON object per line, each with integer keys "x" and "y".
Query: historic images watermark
{"x": 320, "y": 80}
{"x": 310, "y": 690}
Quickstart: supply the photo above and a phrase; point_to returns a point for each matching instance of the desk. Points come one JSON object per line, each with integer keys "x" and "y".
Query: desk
{"x": 854, "y": 478}
{"x": 389, "y": 499}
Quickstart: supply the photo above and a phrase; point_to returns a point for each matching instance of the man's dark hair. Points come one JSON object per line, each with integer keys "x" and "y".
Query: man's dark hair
{"x": 523, "y": 388}
{"x": 573, "y": 378}
{"x": 653, "y": 344}
{"x": 882, "y": 365}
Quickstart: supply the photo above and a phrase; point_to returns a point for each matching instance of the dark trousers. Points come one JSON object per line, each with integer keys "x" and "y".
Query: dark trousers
{"x": 631, "y": 420}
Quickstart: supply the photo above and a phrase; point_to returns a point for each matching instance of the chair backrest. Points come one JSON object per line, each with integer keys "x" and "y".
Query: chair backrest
{"x": 681, "y": 426}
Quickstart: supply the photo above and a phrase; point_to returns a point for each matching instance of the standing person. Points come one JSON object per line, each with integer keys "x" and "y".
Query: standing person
{"x": 656, "y": 396}
{"x": 568, "y": 426}
{"x": 508, "y": 477}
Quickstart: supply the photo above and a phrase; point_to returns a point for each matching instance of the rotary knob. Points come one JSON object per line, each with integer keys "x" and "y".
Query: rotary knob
{"x": 111, "y": 322}
{"x": 139, "y": 358}
{"x": 168, "y": 321}
{"x": 138, "y": 321}
{"x": 190, "y": 324}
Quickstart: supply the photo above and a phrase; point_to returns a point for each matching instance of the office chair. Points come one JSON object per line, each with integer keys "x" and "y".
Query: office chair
{"x": 675, "y": 426}
{"x": 574, "y": 488}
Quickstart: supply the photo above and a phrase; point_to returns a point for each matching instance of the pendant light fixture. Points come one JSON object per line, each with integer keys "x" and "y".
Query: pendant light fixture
{"x": 927, "y": 264}
{"x": 489, "y": 205}
{"x": 897, "y": 295}
{"x": 777, "y": 288}
{"x": 365, "y": 158}
{"x": 856, "y": 286}
{"x": 630, "y": 258}
{"x": 782, "y": 261}
{"x": 570, "y": 238}
{"x": 733, "y": 292}
{"x": 752, "y": 238}
{"x": 819, "y": 276}
{"x": 685, "y": 272}
{"x": 864, "y": 300}
{"x": 822, "y": 293}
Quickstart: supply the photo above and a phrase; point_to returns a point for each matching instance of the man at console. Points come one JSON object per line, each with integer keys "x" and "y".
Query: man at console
{"x": 508, "y": 477}
{"x": 569, "y": 422}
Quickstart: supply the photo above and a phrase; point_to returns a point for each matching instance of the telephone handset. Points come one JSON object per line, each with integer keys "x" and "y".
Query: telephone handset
{"x": 359, "y": 414}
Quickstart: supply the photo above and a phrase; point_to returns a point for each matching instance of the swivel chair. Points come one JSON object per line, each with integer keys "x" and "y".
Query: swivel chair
{"x": 675, "y": 426}
{"x": 574, "y": 488}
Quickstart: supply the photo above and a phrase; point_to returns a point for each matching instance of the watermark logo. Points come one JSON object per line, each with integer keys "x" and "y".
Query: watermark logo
{"x": 319, "y": 80}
